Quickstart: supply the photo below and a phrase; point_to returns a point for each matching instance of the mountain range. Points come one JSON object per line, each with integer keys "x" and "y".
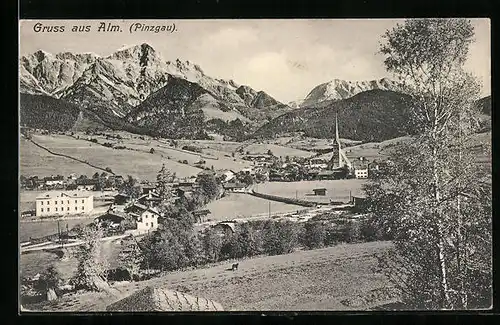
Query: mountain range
{"x": 342, "y": 89}
{"x": 135, "y": 89}
{"x": 134, "y": 83}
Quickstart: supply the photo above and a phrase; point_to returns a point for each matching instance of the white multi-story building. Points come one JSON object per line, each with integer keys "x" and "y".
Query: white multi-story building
{"x": 63, "y": 203}
{"x": 361, "y": 173}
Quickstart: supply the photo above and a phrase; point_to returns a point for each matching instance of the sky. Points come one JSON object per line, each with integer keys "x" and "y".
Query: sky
{"x": 285, "y": 58}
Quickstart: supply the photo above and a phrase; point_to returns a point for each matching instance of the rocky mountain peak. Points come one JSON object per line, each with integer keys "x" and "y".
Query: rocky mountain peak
{"x": 337, "y": 89}
{"x": 41, "y": 55}
{"x": 143, "y": 53}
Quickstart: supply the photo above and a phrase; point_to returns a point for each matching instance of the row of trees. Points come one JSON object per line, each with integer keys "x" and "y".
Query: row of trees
{"x": 177, "y": 246}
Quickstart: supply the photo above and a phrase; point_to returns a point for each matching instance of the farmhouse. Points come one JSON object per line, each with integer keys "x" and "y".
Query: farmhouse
{"x": 319, "y": 191}
{"x": 147, "y": 188}
{"x": 115, "y": 218}
{"x": 54, "y": 180}
{"x": 121, "y": 199}
{"x": 86, "y": 184}
{"x": 185, "y": 191}
{"x": 150, "y": 199}
{"x": 225, "y": 175}
{"x": 146, "y": 217}
{"x": 64, "y": 203}
{"x": 201, "y": 215}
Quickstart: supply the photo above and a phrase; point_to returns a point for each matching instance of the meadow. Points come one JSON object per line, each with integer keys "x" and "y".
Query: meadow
{"x": 237, "y": 205}
{"x": 135, "y": 159}
{"x": 301, "y": 280}
{"x": 46, "y": 227}
{"x": 336, "y": 190}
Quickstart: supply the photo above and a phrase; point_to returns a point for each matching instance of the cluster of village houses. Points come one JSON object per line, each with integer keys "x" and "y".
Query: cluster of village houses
{"x": 297, "y": 169}
{"x": 142, "y": 209}
{"x": 101, "y": 181}
{"x": 76, "y": 195}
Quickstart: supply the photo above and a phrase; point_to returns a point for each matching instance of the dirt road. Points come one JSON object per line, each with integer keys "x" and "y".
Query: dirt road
{"x": 334, "y": 278}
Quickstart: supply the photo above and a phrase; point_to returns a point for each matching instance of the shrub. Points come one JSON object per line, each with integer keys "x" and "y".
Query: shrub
{"x": 212, "y": 244}
{"x": 314, "y": 235}
{"x": 279, "y": 237}
{"x": 49, "y": 279}
{"x": 250, "y": 240}
{"x": 231, "y": 247}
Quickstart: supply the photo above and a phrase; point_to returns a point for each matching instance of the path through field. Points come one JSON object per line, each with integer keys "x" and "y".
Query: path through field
{"x": 334, "y": 278}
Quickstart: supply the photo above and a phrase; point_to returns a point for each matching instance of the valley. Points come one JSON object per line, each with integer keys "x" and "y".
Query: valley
{"x": 207, "y": 172}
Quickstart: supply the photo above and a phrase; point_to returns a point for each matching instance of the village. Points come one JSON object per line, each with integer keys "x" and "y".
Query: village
{"x": 324, "y": 188}
{"x": 74, "y": 195}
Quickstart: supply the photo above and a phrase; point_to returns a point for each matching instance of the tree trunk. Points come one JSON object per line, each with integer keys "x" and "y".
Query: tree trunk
{"x": 441, "y": 243}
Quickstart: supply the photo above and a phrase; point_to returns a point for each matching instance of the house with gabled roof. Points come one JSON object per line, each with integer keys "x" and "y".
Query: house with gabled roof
{"x": 146, "y": 217}
{"x": 150, "y": 199}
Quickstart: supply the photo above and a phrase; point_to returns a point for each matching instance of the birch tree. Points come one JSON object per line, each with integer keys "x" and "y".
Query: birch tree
{"x": 435, "y": 199}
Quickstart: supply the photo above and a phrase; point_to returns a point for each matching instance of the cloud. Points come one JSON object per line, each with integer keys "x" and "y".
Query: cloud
{"x": 230, "y": 38}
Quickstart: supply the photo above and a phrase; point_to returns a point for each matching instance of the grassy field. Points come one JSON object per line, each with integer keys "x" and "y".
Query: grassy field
{"x": 307, "y": 143}
{"x": 45, "y": 228}
{"x": 237, "y": 205}
{"x": 142, "y": 165}
{"x": 370, "y": 150}
{"x": 335, "y": 278}
{"x": 277, "y": 150}
{"x": 37, "y": 261}
{"x": 36, "y": 161}
{"x": 136, "y": 160}
{"x": 336, "y": 190}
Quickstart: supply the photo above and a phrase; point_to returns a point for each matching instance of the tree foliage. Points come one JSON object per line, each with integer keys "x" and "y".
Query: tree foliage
{"x": 91, "y": 270}
{"x": 209, "y": 186}
{"x": 314, "y": 235}
{"x": 434, "y": 199}
{"x": 131, "y": 257}
{"x": 49, "y": 279}
{"x": 279, "y": 237}
{"x": 130, "y": 187}
{"x": 164, "y": 179}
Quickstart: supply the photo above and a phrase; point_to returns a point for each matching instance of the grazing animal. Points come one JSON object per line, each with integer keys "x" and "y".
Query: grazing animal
{"x": 235, "y": 266}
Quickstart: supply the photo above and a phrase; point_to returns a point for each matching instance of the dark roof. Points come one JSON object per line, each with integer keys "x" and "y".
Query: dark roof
{"x": 205, "y": 211}
{"x": 112, "y": 216}
{"x": 229, "y": 225}
{"x": 86, "y": 181}
{"x": 136, "y": 206}
{"x": 319, "y": 189}
{"x": 185, "y": 188}
{"x": 234, "y": 185}
{"x": 54, "y": 178}
{"x": 330, "y": 172}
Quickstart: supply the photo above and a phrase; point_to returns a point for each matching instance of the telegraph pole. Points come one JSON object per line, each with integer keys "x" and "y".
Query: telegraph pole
{"x": 59, "y": 232}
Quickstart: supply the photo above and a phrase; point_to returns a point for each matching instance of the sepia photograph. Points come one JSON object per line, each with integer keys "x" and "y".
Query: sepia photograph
{"x": 255, "y": 165}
